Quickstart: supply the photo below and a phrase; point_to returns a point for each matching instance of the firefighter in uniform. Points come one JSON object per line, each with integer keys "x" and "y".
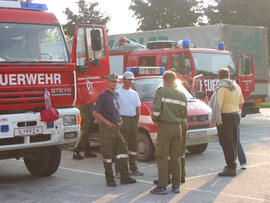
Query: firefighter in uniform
{"x": 107, "y": 111}
{"x": 169, "y": 109}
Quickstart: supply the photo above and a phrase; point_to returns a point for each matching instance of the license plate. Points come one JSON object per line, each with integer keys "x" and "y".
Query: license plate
{"x": 197, "y": 134}
{"x": 27, "y": 131}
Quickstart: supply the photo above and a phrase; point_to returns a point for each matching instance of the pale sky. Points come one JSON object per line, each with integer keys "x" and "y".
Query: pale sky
{"x": 121, "y": 17}
{"x": 122, "y": 20}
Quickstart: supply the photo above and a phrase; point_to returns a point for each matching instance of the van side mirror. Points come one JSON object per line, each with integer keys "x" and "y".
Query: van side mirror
{"x": 95, "y": 40}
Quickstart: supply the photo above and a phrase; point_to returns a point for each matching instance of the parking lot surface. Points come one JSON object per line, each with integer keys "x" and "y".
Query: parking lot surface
{"x": 84, "y": 181}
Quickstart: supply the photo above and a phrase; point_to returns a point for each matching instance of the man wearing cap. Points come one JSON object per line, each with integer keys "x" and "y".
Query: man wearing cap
{"x": 169, "y": 109}
{"x": 107, "y": 111}
{"x": 130, "y": 112}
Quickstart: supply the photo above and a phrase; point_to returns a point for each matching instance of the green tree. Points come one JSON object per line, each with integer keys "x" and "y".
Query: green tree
{"x": 239, "y": 12}
{"x": 161, "y": 14}
{"x": 88, "y": 14}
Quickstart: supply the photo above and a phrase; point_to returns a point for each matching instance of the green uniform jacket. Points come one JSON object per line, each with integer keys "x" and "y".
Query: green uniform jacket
{"x": 169, "y": 105}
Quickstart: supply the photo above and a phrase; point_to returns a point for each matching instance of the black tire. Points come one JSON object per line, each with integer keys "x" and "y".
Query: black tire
{"x": 197, "y": 149}
{"x": 145, "y": 148}
{"x": 45, "y": 161}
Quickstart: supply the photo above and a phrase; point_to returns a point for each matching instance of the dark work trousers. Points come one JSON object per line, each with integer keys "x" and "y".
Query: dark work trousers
{"x": 113, "y": 146}
{"x": 129, "y": 131}
{"x": 227, "y": 135}
{"x": 168, "y": 146}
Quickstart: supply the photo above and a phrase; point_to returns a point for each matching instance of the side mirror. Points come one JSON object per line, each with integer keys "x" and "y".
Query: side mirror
{"x": 81, "y": 69}
{"x": 95, "y": 40}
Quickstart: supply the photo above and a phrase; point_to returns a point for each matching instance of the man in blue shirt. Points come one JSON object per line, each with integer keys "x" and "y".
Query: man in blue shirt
{"x": 107, "y": 111}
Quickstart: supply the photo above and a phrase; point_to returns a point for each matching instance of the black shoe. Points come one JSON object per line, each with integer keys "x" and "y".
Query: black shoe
{"x": 159, "y": 190}
{"x": 127, "y": 180}
{"x": 175, "y": 189}
{"x": 111, "y": 183}
{"x": 136, "y": 173}
{"x": 156, "y": 182}
{"x": 77, "y": 156}
{"x": 90, "y": 154}
{"x": 183, "y": 180}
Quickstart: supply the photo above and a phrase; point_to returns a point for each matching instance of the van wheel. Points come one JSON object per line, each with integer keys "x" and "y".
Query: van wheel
{"x": 145, "y": 148}
{"x": 197, "y": 149}
{"x": 43, "y": 161}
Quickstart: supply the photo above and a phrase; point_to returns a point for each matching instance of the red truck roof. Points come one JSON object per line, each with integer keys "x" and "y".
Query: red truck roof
{"x": 27, "y": 16}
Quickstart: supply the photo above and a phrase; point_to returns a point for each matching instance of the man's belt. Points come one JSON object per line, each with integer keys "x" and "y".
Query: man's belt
{"x": 129, "y": 117}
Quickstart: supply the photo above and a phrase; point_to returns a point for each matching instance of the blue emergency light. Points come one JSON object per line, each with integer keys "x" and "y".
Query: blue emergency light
{"x": 4, "y": 128}
{"x": 142, "y": 70}
{"x": 37, "y": 6}
{"x": 221, "y": 46}
{"x": 186, "y": 44}
{"x": 24, "y": 5}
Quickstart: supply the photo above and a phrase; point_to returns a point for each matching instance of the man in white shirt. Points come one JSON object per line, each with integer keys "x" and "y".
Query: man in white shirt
{"x": 130, "y": 112}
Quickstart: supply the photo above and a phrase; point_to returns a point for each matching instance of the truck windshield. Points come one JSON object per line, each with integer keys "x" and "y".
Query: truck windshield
{"x": 146, "y": 87}
{"x": 32, "y": 43}
{"x": 209, "y": 64}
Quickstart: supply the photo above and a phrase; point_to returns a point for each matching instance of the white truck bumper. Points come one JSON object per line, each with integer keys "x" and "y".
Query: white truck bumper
{"x": 26, "y": 130}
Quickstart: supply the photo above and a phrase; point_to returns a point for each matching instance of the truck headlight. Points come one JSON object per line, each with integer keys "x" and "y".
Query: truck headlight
{"x": 209, "y": 115}
{"x": 69, "y": 120}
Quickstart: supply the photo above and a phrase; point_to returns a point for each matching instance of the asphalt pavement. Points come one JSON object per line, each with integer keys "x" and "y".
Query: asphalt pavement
{"x": 84, "y": 181}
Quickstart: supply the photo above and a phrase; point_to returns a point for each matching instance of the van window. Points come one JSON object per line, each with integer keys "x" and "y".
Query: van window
{"x": 148, "y": 61}
{"x": 164, "y": 61}
{"x": 180, "y": 63}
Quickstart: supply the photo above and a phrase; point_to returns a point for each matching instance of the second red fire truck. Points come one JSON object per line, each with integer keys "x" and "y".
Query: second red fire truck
{"x": 187, "y": 61}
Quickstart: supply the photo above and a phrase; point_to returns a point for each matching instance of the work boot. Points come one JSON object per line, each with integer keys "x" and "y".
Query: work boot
{"x": 175, "y": 188}
{"x": 110, "y": 183}
{"x": 228, "y": 172}
{"x": 159, "y": 190}
{"x": 156, "y": 182}
{"x": 117, "y": 175}
{"x": 136, "y": 173}
{"x": 89, "y": 154}
{"x": 77, "y": 156}
{"x": 183, "y": 180}
{"x": 127, "y": 180}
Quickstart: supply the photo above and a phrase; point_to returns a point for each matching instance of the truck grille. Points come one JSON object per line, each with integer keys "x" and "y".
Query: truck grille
{"x": 21, "y": 99}
{"x": 21, "y": 140}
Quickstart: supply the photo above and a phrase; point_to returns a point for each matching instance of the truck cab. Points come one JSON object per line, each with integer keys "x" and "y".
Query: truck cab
{"x": 40, "y": 84}
{"x": 200, "y": 131}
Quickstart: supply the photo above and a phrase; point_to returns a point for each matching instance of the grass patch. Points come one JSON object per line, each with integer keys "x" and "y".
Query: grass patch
{"x": 265, "y": 105}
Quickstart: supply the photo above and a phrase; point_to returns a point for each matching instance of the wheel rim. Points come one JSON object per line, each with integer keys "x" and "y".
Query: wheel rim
{"x": 141, "y": 147}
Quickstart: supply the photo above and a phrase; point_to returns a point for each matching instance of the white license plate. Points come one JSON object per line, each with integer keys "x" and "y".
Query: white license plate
{"x": 28, "y": 131}
{"x": 197, "y": 134}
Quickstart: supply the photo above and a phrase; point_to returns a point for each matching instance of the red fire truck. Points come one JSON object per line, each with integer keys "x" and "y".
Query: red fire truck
{"x": 40, "y": 83}
{"x": 200, "y": 131}
{"x": 187, "y": 62}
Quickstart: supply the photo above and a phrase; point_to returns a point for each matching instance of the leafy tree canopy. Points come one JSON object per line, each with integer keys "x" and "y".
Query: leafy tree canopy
{"x": 239, "y": 12}
{"x": 161, "y": 14}
{"x": 88, "y": 13}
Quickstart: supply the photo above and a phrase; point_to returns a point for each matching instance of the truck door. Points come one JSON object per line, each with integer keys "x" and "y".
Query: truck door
{"x": 90, "y": 54}
{"x": 198, "y": 89}
{"x": 245, "y": 72}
